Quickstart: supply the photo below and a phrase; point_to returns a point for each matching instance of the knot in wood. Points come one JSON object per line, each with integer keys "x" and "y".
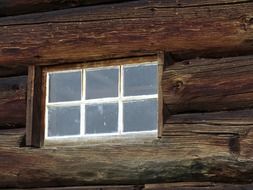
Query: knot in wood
{"x": 247, "y": 23}
{"x": 178, "y": 85}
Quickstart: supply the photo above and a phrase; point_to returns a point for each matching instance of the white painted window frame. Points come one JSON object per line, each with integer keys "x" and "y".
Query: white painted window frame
{"x": 83, "y": 102}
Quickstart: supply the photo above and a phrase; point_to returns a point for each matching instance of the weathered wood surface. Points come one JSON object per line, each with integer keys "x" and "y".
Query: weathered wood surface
{"x": 12, "y": 137}
{"x": 104, "y": 187}
{"x": 126, "y": 29}
{"x": 12, "y": 101}
{"x": 198, "y": 186}
{"x": 202, "y": 85}
{"x": 12, "y": 70}
{"x": 167, "y": 186}
{"x": 224, "y": 122}
{"x": 16, "y": 7}
{"x": 202, "y": 156}
{"x": 236, "y": 124}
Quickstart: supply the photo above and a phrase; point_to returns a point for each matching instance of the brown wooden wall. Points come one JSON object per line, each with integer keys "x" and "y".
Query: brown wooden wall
{"x": 207, "y": 91}
{"x": 207, "y": 136}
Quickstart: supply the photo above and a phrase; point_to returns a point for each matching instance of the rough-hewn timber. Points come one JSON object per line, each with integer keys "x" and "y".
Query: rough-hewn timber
{"x": 125, "y": 29}
{"x": 12, "y": 137}
{"x": 102, "y": 187}
{"x": 198, "y": 156}
{"x": 12, "y": 101}
{"x": 166, "y": 186}
{"x": 12, "y": 70}
{"x": 15, "y": 7}
{"x": 202, "y": 85}
{"x": 238, "y": 124}
{"x": 198, "y": 186}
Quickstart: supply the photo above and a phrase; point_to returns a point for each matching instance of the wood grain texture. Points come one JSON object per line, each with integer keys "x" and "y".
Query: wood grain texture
{"x": 16, "y": 7}
{"x": 161, "y": 64}
{"x": 236, "y": 124}
{"x": 125, "y": 29}
{"x": 203, "y": 85}
{"x": 12, "y": 70}
{"x": 12, "y": 138}
{"x": 30, "y": 105}
{"x": 198, "y": 186}
{"x": 194, "y": 157}
{"x": 167, "y": 186}
{"x": 12, "y": 101}
{"x": 103, "y": 187}
{"x": 37, "y": 105}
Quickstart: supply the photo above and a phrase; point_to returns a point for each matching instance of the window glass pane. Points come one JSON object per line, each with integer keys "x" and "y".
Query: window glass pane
{"x": 63, "y": 121}
{"x": 140, "y": 115}
{"x": 64, "y": 86}
{"x": 102, "y": 83}
{"x": 101, "y": 118}
{"x": 140, "y": 80}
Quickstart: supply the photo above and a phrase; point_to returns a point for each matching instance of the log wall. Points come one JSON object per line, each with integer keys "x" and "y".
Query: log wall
{"x": 209, "y": 139}
{"x": 208, "y": 101}
{"x": 17, "y": 7}
{"x": 127, "y": 29}
{"x": 12, "y": 101}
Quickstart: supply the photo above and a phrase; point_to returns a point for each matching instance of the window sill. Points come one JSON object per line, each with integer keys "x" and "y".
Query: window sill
{"x": 128, "y": 138}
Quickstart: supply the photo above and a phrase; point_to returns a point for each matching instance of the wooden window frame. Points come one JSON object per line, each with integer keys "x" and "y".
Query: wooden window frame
{"x": 36, "y": 92}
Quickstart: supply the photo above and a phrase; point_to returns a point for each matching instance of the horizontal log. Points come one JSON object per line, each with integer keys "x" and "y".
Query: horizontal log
{"x": 126, "y": 29}
{"x": 16, "y": 7}
{"x": 12, "y": 137}
{"x": 236, "y": 118}
{"x": 198, "y": 186}
{"x": 203, "y": 85}
{"x": 12, "y": 101}
{"x": 198, "y": 158}
{"x": 104, "y": 187}
{"x": 12, "y": 70}
{"x": 167, "y": 186}
{"x": 237, "y": 123}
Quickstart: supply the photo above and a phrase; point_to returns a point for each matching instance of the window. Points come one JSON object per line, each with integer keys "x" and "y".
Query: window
{"x": 116, "y": 100}
{"x": 99, "y": 101}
